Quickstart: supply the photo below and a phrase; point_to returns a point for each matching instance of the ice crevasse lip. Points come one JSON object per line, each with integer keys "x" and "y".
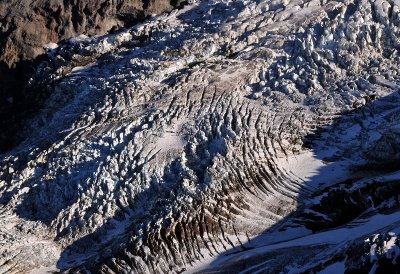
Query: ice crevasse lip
{"x": 225, "y": 136}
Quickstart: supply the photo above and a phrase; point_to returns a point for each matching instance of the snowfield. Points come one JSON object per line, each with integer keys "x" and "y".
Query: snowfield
{"x": 225, "y": 137}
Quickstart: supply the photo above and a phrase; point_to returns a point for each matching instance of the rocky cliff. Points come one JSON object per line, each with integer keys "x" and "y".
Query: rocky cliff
{"x": 27, "y": 27}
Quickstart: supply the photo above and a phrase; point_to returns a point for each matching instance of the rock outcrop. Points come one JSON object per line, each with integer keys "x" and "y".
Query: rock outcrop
{"x": 28, "y": 27}
{"x": 227, "y": 136}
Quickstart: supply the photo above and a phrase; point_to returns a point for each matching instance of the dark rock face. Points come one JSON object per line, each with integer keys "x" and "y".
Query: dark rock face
{"x": 27, "y": 26}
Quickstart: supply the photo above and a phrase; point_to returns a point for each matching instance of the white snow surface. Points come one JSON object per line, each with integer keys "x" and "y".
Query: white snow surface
{"x": 209, "y": 138}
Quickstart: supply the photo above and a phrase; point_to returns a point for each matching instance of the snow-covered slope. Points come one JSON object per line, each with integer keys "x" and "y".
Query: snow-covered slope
{"x": 224, "y": 137}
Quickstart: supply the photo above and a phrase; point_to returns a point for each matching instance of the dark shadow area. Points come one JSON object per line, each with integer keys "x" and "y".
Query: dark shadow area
{"x": 18, "y": 101}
